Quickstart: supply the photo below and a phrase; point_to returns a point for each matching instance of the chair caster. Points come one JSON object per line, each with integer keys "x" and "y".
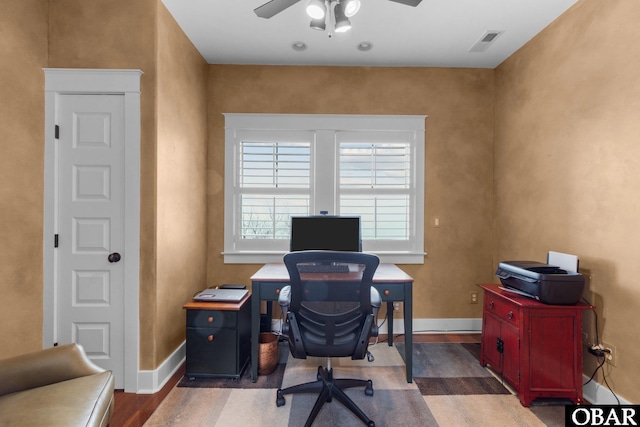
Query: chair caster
{"x": 371, "y": 424}
{"x": 280, "y": 399}
{"x": 319, "y": 375}
{"x": 369, "y": 390}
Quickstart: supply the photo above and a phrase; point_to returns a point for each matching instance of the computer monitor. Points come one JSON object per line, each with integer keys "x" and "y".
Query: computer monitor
{"x": 331, "y": 233}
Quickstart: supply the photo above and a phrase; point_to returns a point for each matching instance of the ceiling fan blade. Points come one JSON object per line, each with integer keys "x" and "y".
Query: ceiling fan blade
{"x": 413, "y": 3}
{"x": 274, "y": 7}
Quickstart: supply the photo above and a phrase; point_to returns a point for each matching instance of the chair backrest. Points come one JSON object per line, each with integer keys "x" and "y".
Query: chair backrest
{"x": 330, "y": 311}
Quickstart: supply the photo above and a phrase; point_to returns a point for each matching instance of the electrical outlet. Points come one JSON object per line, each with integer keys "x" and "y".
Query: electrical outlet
{"x": 474, "y": 297}
{"x": 611, "y": 356}
{"x": 396, "y": 306}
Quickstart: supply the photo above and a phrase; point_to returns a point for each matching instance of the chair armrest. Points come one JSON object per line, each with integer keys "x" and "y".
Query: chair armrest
{"x": 376, "y": 299}
{"x": 284, "y": 298}
{"x": 45, "y": 367}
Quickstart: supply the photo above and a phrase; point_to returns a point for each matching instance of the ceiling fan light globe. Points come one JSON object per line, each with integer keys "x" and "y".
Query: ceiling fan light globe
{"x": 318, "y": 24}
{"x": 316, "y": 9}
{"x": 342, "y": 22}
{"x": 343, "y": 26}
{"x": 351, "y": 7}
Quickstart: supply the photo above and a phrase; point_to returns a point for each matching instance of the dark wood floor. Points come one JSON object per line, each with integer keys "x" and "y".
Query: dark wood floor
{"x": 133, "y": 410}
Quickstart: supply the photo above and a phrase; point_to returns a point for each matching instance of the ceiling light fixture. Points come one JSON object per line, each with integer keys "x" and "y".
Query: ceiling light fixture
{"x": 333, "y": 14}
{"x": 318, "y": 24}
{"x": 299, "y": 46}
{"x": 316, "y": 9}
{"x": 351, "y": 7}
{"x": 342, "y": 22}
{"x": 365, "y": 46}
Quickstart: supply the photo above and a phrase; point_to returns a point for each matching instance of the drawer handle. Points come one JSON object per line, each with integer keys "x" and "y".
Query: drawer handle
{"x": 510, "y": 315}
{"x": 210, "y": 319}
{"x": 491, "y": 304}
{"x": 277, "y": 291}
{"x": 210, "y": 338}
{"x": 387, "y": 292}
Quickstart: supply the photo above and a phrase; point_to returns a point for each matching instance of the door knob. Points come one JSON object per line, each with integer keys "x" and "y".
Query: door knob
{"x": 114, "y": 257}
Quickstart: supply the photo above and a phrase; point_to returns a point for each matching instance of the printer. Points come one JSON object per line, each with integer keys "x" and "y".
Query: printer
{"x": 548, "y": 284}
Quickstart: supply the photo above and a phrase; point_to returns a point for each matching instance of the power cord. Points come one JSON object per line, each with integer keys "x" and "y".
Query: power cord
{"x": 600, "y": 352}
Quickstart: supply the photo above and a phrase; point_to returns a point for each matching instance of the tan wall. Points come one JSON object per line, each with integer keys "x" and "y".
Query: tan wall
{"x": 567, "y": 166}
{"x": 120, "y": 34}
{"x": 459, "y": 159}
{"x": 181, "y": 205}
{"x": 104, "y": 34}
{"x": 23, "y": 49}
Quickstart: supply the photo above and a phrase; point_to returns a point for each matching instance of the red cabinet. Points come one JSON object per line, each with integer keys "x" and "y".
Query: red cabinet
{"x": 537, "y": 348}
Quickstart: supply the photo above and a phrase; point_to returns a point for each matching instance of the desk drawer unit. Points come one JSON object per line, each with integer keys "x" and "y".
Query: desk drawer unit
{"x": 218, "y": 341}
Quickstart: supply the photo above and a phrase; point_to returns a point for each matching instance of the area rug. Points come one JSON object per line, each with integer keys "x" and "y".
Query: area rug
{"x": 450, "y": 388}
{"x": 451, "y": 369}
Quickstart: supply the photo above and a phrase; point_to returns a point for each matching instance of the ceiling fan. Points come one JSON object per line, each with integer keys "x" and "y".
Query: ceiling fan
{"x": 273, "y": 7}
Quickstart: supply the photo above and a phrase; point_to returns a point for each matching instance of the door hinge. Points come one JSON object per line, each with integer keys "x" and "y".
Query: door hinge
{"x": 57, "y": 132}
{"x": 55, "y": 240}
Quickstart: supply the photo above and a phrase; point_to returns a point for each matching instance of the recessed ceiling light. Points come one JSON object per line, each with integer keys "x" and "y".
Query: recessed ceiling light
{"x": 299, "y": 46}
{"x": 365, "y": 46}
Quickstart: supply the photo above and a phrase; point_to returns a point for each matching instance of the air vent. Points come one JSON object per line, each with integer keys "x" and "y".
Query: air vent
{"x": 485, "y": 41}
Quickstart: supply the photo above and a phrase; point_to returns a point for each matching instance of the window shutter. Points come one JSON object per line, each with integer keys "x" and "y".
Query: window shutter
{"x": 375, "y": 183}
{"x": 274, "y": 179}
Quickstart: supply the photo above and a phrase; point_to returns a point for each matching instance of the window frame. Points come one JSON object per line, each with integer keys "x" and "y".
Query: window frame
{"x": 321, "y": 129}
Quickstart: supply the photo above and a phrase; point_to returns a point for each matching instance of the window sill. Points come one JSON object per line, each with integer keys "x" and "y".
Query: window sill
{"x": 266, "y": 257}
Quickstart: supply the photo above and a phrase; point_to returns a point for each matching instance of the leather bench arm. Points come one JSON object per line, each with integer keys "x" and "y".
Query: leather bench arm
{"x": 45, "y": 367}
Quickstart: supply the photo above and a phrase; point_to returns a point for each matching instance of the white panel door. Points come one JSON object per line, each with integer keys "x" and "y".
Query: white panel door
{"x": 90, "y": 218}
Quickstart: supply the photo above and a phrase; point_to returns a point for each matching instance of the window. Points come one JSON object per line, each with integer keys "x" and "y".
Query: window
{"x": 278, "y": 166}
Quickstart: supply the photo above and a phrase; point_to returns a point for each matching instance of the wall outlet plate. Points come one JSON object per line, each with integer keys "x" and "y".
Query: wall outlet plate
{"x": 612, "y": 357}
{"x": 474, "y": 297}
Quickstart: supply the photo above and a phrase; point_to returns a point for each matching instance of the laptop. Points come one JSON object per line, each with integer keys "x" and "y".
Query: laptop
{"x": 221, "y": 295}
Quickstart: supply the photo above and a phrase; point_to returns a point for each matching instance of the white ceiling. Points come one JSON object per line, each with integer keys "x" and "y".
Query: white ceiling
{"x": 436, "y": 33}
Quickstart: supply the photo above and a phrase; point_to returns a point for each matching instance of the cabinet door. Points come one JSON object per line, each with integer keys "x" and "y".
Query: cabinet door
{"x": 490, "y": 335}
{"x": 511, "y": 355}
{"x": 553, "y": 353}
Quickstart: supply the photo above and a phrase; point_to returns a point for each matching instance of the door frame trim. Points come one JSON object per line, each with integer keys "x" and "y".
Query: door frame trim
{"x": 66, "y": 81}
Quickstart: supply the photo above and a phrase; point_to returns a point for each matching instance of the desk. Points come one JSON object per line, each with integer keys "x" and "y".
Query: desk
{"x": 392, "y": 283}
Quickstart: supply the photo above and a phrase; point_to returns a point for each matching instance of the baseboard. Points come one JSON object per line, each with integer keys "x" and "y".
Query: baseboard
{"x": 424, "y": 326}
{"x": 150, "y": 382}
{"x": 598, "y": 394}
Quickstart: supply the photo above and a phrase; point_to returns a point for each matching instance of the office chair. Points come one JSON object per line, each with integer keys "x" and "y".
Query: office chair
{"x": 330, "y": 310}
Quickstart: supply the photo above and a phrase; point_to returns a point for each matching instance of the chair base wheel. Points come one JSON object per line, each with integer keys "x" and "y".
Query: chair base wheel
{"x": 280, "y": 399}
{"x": 369, "y": 389}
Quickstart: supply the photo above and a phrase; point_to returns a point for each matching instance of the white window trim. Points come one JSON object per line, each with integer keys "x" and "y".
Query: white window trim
{"x": 238, "y": 122}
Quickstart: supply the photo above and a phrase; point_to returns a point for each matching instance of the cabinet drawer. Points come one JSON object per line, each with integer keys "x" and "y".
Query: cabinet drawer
{"x": 212, "y": 319}
{"x": 212, "y": 351}
{"x": 503, "y": 309}
{"x": 270, "y": 291}
{"x": 390, "y": 292}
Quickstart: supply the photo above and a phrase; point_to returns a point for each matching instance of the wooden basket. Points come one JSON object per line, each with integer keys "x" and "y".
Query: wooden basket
{"x": 268, "y": 354}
